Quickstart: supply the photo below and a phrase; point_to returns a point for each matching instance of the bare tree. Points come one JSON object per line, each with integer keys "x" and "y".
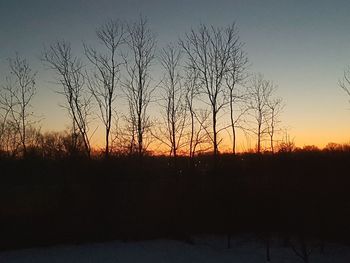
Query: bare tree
{"x": 104, "y": 79}
{"x": 16, "y": 100}
{"x": 173, "y": 98}
{"x": 201, "y": 139}
{"x": 69, "y": 69}
{"x": 260, "y": 90}
{"x": 7, "y": 129}
{"x": 236, "y": 75}
{"x": 275, "y": 106}
{"x": 198, "y": 121}
{"x": 141, "y": 42}
{"x": 124, "y": 136}
{"x": 191, "y": 94}
{"x": 208, "y": 51}
{"x": 4, "y": 115}
{"x": 345, "y": 82}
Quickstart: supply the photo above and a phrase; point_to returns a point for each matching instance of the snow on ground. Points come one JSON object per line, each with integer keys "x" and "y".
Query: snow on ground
{"x": 245, "y": 249}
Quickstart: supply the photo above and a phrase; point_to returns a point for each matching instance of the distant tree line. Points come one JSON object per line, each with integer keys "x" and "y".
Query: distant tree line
{"x": 205, "y": 93}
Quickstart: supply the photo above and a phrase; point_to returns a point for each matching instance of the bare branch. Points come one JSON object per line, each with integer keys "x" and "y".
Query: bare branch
{"x": 141, "y": 42}
{"x": 104, "y": 78}
{"x": 70, "y": 75}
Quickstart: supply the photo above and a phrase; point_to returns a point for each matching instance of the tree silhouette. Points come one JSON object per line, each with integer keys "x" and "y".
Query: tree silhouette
{"x": 208, "y": 51}
{"x": 69, "y": 70}
{"x": 104, "y": 80}
{"x": 262, "y": 108}
{"x": 235, "y": 76}
{"x": 275, "y": 106}
{"x": 16, "y": 100}
{"x": 141, "y": 43}
{"x": 197, "y": 135}
{"x": 173, "y": 99}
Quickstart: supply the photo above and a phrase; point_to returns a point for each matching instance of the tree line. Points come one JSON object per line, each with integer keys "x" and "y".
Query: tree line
{"x": 205, "y": 93}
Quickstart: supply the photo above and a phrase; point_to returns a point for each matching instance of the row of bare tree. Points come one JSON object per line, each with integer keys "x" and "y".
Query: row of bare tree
{"x": 15, "y": 109}
{"x": 204, "y": 78}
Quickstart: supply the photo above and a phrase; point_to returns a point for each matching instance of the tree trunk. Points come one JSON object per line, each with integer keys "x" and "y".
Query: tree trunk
{"x": 215, "y": 144}
{"x": 107, "y": 143}
{"x": 259, "y": 138}
{"x": 232, "y": 124}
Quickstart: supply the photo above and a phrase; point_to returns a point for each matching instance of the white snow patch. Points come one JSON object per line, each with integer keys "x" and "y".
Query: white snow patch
{"x": 245, "y": 249}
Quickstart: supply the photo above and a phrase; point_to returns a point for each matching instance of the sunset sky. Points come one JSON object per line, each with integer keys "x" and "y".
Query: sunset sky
{"x": 302, "y": 46}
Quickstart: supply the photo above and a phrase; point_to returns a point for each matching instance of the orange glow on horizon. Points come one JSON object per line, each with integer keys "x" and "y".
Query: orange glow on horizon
{"x": 158, "y": 149}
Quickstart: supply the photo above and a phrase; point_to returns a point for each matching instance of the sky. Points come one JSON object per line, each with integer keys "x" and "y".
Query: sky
{"x": 302, "y": 46}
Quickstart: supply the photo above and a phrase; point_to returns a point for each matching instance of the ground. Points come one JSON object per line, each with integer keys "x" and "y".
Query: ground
{"x": 245, "y": 249}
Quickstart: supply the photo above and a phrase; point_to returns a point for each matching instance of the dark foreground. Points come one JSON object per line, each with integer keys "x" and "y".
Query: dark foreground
{"x": 47, "y": 202}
